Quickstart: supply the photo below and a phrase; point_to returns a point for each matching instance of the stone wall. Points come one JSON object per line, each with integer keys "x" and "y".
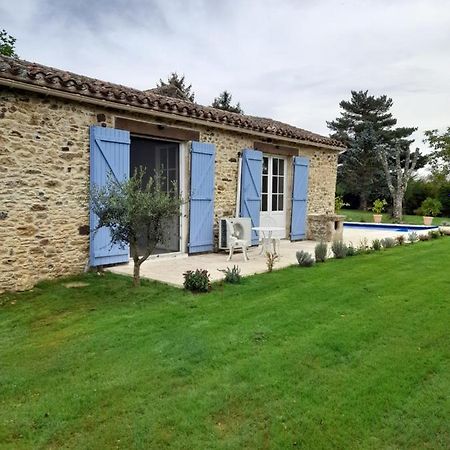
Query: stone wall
{"x": 322, "y": 174}
{"x": 44, "y": 170}
{"x": 228, "y": 146}
{"x": 44, "y": 179}
{"x": 325, "y": 227}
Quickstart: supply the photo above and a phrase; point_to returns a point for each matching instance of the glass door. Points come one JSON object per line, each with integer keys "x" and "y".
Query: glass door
{"x": 162, "y": 158}
{"x": 273, "y": 202}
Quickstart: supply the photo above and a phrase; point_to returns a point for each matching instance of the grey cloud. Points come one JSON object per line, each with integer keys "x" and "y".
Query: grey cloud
{"x": 292, "y": 60}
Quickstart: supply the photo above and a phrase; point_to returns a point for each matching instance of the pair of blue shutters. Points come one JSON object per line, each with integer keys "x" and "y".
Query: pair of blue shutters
{"x": 110, "y": 157}
{"x": 251, "y": 192}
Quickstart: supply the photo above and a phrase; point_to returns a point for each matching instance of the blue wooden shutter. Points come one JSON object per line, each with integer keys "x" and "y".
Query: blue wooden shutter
{"x": 201, "y": 211}
{"x": 110, "y": 156}
{"x": 299, "y": 198}
{"x": 251, "y": 176}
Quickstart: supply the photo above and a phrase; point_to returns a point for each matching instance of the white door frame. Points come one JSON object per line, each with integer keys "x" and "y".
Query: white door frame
{"x": 277, "y": 218}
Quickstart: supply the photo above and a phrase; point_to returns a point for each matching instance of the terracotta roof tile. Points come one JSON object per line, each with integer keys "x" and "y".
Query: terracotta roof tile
{"x": 36, "y": 74}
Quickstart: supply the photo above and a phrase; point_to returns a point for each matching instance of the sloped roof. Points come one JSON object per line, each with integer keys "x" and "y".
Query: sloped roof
{"x": 60, "y": 80}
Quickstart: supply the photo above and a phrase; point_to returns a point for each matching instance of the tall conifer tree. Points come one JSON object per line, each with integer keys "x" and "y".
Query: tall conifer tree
{"x": 223, "y": 101}
{"x": 175, "y": 87}
{"x": 366, "y": 124}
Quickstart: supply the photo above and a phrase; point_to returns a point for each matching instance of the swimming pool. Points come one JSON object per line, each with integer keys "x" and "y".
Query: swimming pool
{"x": 401, "y": 228}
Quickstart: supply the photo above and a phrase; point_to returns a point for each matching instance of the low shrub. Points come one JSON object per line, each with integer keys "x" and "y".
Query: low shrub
{"x": 388, "y": 242}
{"x": 304, "y": 259}
{"x": 339, "y": 203}
{"x": 197, "y": 281}
{"x": 321, "y": 251}
{"x": 413, "y": 237}
{"x": 363, "y": 246}
{"x": 271, "y": 259}
{"x": 400, "y": 239}
{"x": 351, "y": 251}
{"x": 434, "y": 234}
{"x": 376, "y": 245}
{"x": 232, "y": 274}
{"x": 339, "y": 249}
{"x": 424, "y": 237}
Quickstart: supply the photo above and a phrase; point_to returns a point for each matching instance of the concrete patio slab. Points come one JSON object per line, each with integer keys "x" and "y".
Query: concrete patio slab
{"x": 170, "y": 269}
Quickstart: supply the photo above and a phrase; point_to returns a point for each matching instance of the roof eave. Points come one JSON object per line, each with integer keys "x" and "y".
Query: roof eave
{"x": 12, "y": 83}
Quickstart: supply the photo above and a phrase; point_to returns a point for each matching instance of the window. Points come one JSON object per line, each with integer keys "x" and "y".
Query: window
{"x": 167, "y": 166}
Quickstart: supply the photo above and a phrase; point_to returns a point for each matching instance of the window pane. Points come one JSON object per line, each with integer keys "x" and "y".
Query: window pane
{"x": 281, "y": 184}
{"x": 274, "y": 202}
{"x": 281, "y": 167}
{"x": 264, "y": 183}
{"x": 275, "y": 166}
{"x": 274, "y": 185}
{"x": 264, "y": 202}
{"x": 163, "y": 159}
{"x": 151, "y": 164}
{"x": 172, "y": 176}
{"x": 173, "y": 159}
{"x": 280, "y": 202}
{"x": 265, "y": 169}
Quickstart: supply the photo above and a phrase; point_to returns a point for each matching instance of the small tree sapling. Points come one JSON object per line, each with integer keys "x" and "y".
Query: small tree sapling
{"x": 135, "y": 210}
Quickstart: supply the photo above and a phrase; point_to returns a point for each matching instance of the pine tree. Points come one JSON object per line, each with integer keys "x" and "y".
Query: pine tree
{"x": 364, "y": 125}
{"x": 175, "y": 87}
{"x": 7, "y": 44}
{"x": 223, "y": 101}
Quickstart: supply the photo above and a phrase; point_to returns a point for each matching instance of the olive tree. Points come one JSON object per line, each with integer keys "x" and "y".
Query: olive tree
{"x": 136, "y": 210}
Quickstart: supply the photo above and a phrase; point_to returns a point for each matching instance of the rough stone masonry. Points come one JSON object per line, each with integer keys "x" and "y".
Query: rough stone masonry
{"x": 44, "y": 179}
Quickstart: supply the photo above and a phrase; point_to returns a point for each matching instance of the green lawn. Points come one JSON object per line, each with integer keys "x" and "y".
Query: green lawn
{"x": 356, "y": 215}
{"x": 352, "y": 353}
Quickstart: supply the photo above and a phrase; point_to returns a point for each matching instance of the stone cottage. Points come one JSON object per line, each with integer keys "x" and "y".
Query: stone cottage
{"x": 61, "y": 133}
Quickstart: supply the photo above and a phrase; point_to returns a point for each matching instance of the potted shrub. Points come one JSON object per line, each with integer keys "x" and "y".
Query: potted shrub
{"x": 430, "y": 208}
{"x": 339, "y": 204}
{"x": 377, "y": 209}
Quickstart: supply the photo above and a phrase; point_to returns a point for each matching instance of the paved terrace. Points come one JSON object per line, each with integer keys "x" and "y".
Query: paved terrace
{"x": 170, "y": 269}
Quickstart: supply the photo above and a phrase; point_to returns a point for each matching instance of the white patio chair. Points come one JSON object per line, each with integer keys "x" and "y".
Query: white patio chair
{"x": 236, "y": 242}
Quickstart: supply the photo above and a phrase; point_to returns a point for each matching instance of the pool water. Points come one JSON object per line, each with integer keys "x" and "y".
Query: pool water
{"x": 401, "y": 228}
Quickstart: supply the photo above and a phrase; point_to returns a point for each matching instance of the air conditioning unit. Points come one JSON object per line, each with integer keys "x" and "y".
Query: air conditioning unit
{"x": 242, "y": 227}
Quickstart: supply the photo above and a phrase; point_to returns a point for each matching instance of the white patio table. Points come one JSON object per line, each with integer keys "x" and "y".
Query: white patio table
{"x": 266, "y": 237}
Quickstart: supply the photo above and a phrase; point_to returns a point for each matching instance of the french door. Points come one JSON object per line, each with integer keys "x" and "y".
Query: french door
{"x": 273, "y": 194}
{"x": 162, "y": 158}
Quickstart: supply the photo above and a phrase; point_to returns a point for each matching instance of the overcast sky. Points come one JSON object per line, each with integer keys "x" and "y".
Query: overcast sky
{"x": 289, "y": 60}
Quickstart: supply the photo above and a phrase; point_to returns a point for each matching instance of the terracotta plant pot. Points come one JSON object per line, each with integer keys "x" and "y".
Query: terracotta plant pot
{"x": 377, "y": 218}
{"x": 427, "y": 220}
